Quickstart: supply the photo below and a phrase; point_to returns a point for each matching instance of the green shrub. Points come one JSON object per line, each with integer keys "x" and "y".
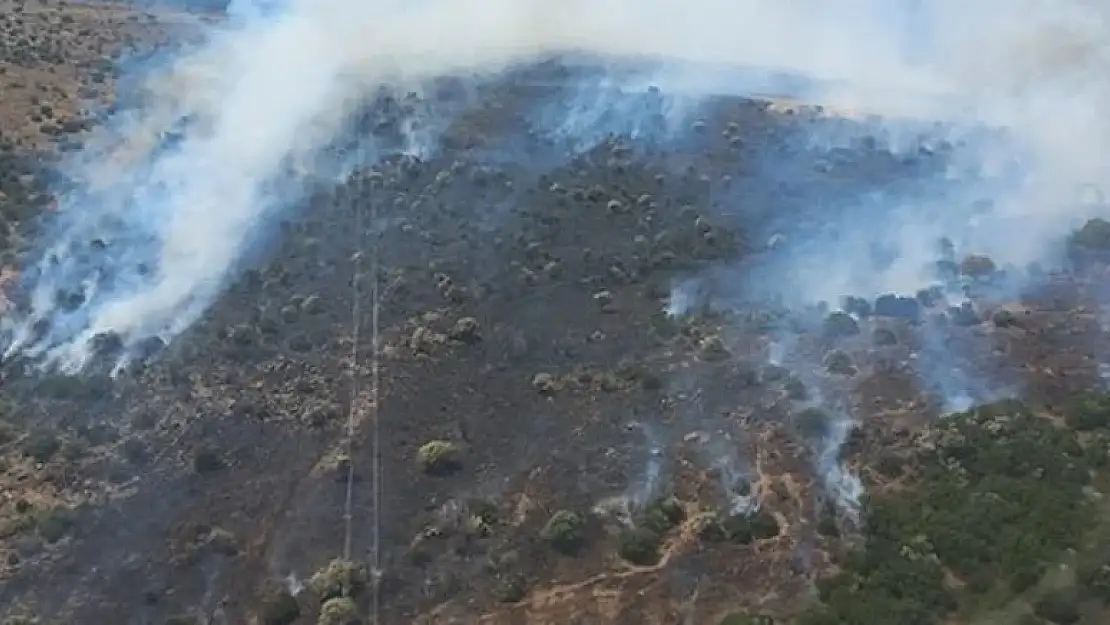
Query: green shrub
{"x": 743, "y": 529}
{"x": 663, "y": 515}
{"x": 439, "y": 457}
{"x": 640, "y": 546}
{"x": 339, "y": 611}
{"x": 340, "y": 578}
{"x": 564, "y": 531}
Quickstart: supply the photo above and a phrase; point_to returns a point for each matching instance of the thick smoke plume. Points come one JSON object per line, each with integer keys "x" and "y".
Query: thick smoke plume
{"x": 168, "y": 202}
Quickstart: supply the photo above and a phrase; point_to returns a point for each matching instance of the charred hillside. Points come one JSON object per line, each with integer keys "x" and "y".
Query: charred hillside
{"x": 609, "y": 389}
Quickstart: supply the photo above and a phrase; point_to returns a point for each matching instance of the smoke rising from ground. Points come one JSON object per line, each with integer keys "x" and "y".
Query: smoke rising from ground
{"x": 157, "y": 229}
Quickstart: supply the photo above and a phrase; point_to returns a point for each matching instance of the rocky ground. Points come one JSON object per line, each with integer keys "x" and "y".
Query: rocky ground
{"x": 554, "y": 446}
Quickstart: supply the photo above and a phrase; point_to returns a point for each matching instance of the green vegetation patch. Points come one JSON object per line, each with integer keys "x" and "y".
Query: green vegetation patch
{"x": 999, "y": 495}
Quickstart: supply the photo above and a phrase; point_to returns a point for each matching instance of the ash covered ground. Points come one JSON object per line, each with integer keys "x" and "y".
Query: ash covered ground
{"x": 621, "y": 381}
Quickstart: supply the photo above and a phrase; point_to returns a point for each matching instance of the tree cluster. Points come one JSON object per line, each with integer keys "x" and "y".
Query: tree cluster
{"x": 1000, "y": 494}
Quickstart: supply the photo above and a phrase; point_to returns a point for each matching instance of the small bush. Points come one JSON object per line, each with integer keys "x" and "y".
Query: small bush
{"x": 712, "y": 530}
{"x": 977, "y": 266}
{"x": 41, "y": 446}
{"x": 54, "y": 525}
{"x": 339, "y": 611}
{"x": 1094, "y": 235}
{"x": 813, "y": 423}
{"x": 826, "y": 523}
{"x": 884, "y": 337}
{"x": 207, "y": 461}
{"x": 796, "y": 389}
{"x": 439, "y": 457}
{"x": 840, "y": 363}
{"x": 484, "y": 510}
{"x": 135, "y": 451}
{"x": 281, "y": 609}
{"x": 663, "y": 515}
{"x": 640, "y": 546}
{"x": 1059, "y": 607}
{"x": 840, "y": 325}
{"x": 512, "y": 589}
{"x": 743, "y": 529}
{"x": 339, "y": 578}
{"x": 564, "y": 531}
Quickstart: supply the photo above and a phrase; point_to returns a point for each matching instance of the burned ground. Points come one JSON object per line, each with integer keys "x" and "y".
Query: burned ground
{"x": 555, "y": 447}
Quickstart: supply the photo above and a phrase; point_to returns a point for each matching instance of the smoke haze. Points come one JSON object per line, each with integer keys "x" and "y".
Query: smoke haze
{"x": 155, "y": 230}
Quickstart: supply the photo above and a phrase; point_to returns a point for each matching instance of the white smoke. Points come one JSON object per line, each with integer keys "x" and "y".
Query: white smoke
{"x": 277, "y": 82}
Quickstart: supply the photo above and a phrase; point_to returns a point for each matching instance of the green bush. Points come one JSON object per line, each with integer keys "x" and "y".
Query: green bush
{"x": 640, "y": 546}
{"x": 339, "y": 611}
{"x": 743, "y": 529}
{"x": 564, "y": 531}
{"x": 663, "y": 515}
{"x": 340, "y": 578}
{"x": 712, "y": 531}
{"x": 439, "y": 457}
